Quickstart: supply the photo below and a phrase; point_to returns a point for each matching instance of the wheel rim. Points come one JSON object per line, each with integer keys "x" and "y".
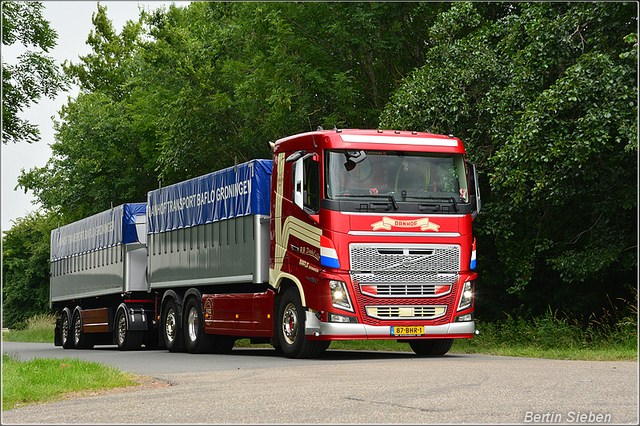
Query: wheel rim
{"x": 77, "y": 327}
{"x": 65, "y": 329}
{"x": 290, "y": 323}
{"x": 170, "y": 326}
{"x": 122, "y": 328}
{"x": 193, "y": 322}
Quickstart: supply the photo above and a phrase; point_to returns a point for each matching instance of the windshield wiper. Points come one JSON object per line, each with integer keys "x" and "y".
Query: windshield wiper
{"x": 388, "y": 196}
{"x": 453, "y": 200}
{"x": 393, "y": 201}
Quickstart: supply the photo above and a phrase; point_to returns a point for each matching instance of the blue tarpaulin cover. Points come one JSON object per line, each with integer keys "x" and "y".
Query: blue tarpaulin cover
{"x": 236, "y": 191}
{"x": 109, "y": 228}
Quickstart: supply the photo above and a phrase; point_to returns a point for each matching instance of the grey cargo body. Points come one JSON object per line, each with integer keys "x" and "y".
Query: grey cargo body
{"x": 100, "y": 255}
{"x": 211, "y": 230}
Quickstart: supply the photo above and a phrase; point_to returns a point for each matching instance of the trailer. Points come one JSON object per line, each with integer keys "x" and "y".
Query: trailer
{"x": 344, "y": 234}
{"x": 93, "y": 262}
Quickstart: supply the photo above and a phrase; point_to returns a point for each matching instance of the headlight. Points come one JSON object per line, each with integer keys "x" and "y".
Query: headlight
{"x": 339, "y": 295}
{"x": 467, "y": 296}
{"x": 464, "y": 318}
{"x": 341, "y": 318}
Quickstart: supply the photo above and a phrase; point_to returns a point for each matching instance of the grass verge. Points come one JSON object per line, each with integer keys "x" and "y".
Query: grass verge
{"x": 38, "y": 329}
{"x": 46, "y": 380}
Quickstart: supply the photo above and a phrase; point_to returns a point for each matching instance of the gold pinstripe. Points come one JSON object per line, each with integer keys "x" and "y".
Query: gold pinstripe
{"x": 291, "y": 227}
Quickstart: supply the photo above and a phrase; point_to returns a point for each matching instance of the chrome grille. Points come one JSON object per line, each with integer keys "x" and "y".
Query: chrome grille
{"x": 404, "y": 290}
{"x": 405, "y": 277}
{"x": 406, "y": 312}
{"x": 388, "y": 276}
{"x": 403, "y": 258}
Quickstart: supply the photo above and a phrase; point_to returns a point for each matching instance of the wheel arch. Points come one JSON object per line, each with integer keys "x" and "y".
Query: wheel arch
{"x": 192, "y": 292}
{"x": 176, "y": 297}
{"x": 286, "y": 281}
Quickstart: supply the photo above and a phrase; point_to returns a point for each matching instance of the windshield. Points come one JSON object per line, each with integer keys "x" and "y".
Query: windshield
{"x": 406, "y": 176}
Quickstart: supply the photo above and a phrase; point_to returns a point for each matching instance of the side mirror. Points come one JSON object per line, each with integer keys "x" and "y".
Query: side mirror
{"x": 353, "y": 158}
{"x": 474, "y": 189}
{"x": 295, "y": 156}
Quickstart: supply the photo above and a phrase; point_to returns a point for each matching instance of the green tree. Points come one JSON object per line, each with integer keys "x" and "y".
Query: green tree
{"x": 233, "y": 76}
{"x": 103, "y": 156}
{"x": 104, "y": 150}
{"x": 109, "y": 67}
{"x": 34, "y": 76}
{"x": 545, "y": 97}
{"x": 25, "y": 268}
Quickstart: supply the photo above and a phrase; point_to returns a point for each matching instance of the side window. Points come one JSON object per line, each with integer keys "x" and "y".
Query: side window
{"x": 296, "y": 182}
{"x": 306, "y": 183}
{"x": 311, "y": 196}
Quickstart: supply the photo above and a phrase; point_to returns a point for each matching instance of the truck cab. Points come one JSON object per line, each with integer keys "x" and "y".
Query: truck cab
{"x": 371, "y": 238}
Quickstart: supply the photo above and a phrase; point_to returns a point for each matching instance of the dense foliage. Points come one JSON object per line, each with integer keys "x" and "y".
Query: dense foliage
{"x": 25, "y": 268}
{"x": 34, "y": 75}
{"x": 544, "y": 95}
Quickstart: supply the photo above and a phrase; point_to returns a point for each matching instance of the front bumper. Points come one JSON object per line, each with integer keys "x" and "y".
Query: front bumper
{"x": 324, "y": 330}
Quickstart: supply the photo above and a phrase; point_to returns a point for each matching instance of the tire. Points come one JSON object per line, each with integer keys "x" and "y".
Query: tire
{"x": 80, "y": 339}
{"x": 171, "y": 327}
{"x": 431, "y": 347}
{"x": 65, "y": 330}
{"x": 195, "y": 339}
{"x": 291, "y": 324}
{"x": 125, "y": 338}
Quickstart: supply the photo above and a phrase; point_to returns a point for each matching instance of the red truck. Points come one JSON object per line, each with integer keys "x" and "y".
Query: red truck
{"x": 345, "y": 234}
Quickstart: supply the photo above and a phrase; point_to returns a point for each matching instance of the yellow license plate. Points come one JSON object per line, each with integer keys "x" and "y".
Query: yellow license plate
{"x": 407, "y": 331}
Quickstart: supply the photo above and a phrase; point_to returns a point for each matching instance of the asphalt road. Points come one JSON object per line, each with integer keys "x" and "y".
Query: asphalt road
{"x": 256, "y": 386}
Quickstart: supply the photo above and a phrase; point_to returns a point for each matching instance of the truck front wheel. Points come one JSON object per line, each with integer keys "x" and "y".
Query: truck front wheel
{"x": 291, "y": 327}
{"x": 171, "y": 330}
{"x": 195, "y": 339}
{"x": 431, "y": 347}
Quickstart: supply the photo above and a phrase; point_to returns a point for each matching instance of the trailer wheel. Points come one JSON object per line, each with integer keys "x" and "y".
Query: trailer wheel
{"x": 65, "y": 330}
{"x": 195, "y": 339}
{"x": 80, "y": 338}
{"x": 431, "y": 347}
{"x": 171, "y": 330}
{"x": 125, "y": 338}
{"x": 291, "y": 319}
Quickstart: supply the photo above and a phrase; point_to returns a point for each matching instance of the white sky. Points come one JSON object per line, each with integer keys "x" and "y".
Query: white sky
{"x": 72, "y": 21}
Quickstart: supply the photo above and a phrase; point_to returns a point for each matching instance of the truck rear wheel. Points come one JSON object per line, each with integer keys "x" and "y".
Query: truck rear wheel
{"x": 291, "y": 324}
{"x": 195, "y": 339}
{"x": 80, "y": 339}
{"x": 171, "y": 330}
{"x": 65, "y": 330}
{"x": 431, "y": 347}
{"x": 125, "y": 338}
